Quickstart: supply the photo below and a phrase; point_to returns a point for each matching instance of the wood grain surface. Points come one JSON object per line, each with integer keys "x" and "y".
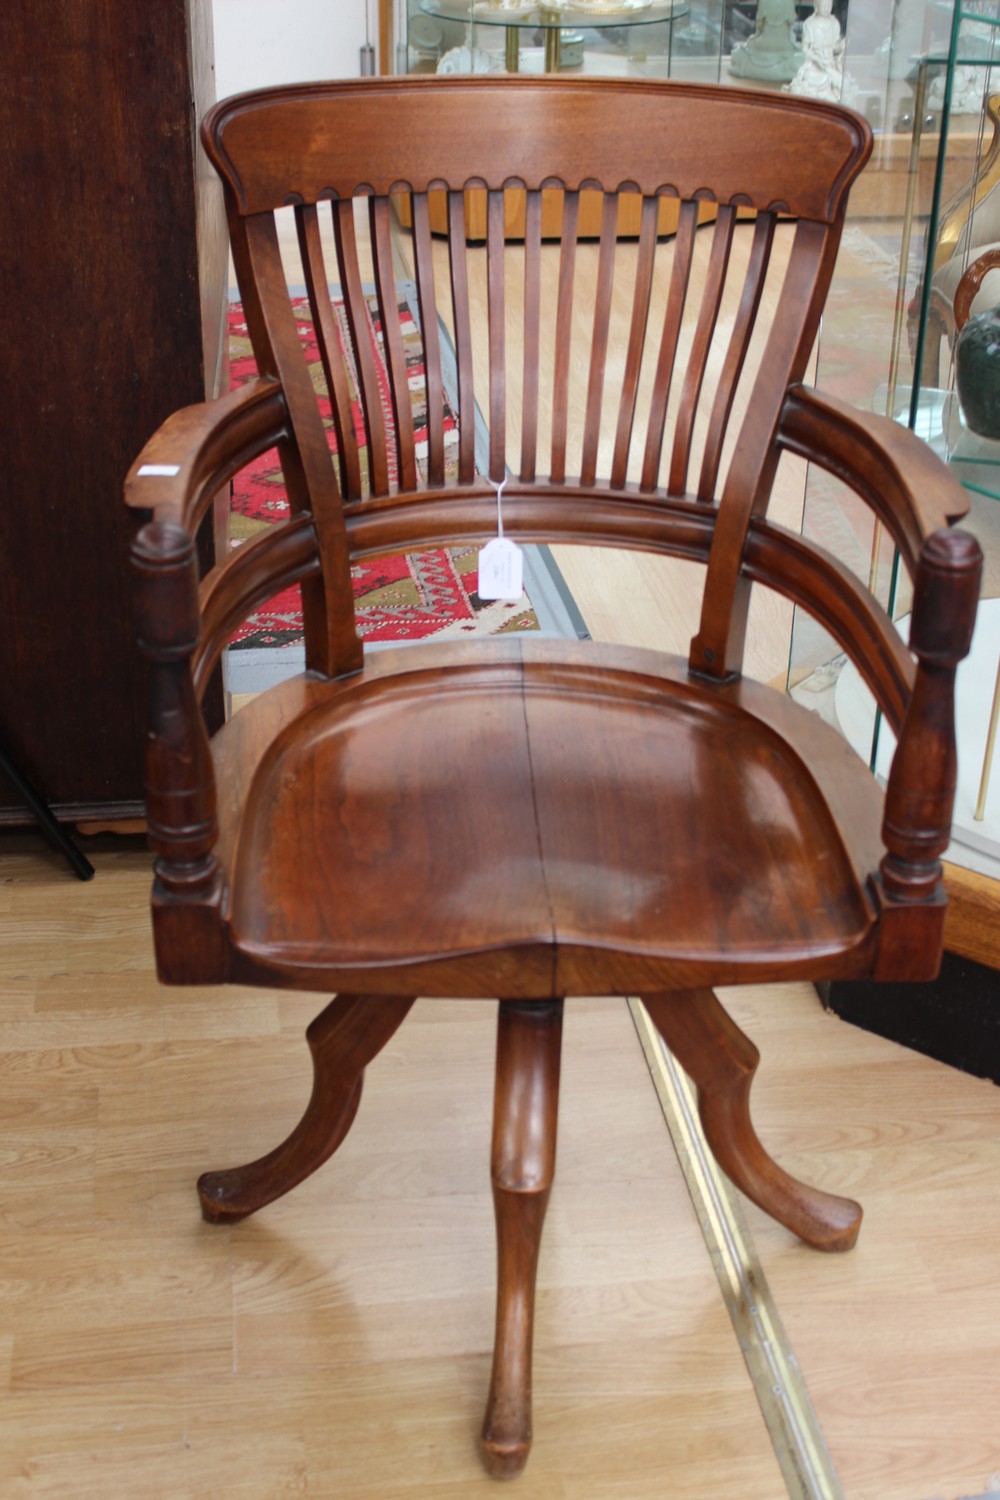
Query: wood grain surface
{"x": 540, "y": 819}
{"x": 144, "y": 1351}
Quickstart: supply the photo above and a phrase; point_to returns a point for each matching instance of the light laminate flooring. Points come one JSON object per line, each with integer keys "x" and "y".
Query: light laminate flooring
{"x": 339, "y": 1345}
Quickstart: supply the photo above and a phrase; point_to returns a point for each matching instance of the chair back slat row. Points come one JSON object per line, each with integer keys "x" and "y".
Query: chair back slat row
{"x": 629, "y": 262}
{"x": 629, "y": 369}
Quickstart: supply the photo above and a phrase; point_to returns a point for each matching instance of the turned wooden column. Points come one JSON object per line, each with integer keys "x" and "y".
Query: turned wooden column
{"x": 522, "y": 1163}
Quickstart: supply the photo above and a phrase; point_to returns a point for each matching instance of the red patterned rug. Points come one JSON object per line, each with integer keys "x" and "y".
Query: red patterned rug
{"x": 402, "y": 597}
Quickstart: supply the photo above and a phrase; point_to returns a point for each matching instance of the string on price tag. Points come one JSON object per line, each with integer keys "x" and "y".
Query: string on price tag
{"x": 501, "y": 565}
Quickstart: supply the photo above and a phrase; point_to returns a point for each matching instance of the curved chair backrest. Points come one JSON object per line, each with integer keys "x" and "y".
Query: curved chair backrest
{"x": 635, "y": 448}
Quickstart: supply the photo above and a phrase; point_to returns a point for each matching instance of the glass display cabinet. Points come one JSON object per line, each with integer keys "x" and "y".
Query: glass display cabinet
{"x": 928, "y": 211}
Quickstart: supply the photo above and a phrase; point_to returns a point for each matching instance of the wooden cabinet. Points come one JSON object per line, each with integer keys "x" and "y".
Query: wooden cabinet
{"x": 113, "y": 269}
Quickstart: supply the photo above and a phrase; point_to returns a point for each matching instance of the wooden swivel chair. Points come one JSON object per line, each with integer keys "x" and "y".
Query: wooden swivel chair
{"x": 518, "y": 817}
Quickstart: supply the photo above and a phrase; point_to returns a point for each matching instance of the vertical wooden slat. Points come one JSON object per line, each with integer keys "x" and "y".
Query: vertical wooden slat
{"x": 708, "y": 314}
{"x": 599, "y": 345}
{"x": 359, "y": 322}
{"x": 739, "y": 343}
{"x": 532, "y": 312}
{"x": 328, "y": 338}
{"x": 379, "y": 217}
{"x": 495, "y": 256}
{"x": 332, "y": 643}
{"x": 717, "y": 649}
{"x": 424, "y": 266}
{"x": 463, "y": 337}
{"x": 676, "y": 297}
{"x": 564, "y": 324}
{"x": 636, "y": 339}
{"x": 790, "y": 339}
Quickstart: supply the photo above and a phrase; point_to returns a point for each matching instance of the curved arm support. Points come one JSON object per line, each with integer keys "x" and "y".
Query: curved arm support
{"x": 833, "y": 595}
{"x": 894, "y": 471}
{"x": 205, "y": 445}
{"x": 682, "y": 528}
{"x": 921, "y": 791}
{"x": 197, "y": 451}
{"x": 279, "y": 558}
{"x": 179, "y": 780}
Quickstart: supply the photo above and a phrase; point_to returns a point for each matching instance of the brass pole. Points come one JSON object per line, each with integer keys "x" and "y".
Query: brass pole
{"x": 991, "y": 740}
{"x": 511, "y": 60}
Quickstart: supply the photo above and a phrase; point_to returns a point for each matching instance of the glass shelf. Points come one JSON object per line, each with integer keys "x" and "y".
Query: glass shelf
{"x": 553, "y": 17}
{"x": 642, "y": 37}
{"x": 556, "y": 22}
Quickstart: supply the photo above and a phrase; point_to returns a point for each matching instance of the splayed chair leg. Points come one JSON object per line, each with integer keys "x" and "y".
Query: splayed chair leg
{"x": 343, "y": 1039}
{"x": 525, "y": 1111}
{"x": 722, "y": 1062}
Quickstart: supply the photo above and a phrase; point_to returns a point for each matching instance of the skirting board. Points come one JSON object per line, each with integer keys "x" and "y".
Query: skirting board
{"x": 954, "y": 1019}
{"x": 972, "y": 926}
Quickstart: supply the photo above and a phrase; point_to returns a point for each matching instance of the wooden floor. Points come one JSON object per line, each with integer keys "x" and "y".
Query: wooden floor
{"x": 339, "y": 1345}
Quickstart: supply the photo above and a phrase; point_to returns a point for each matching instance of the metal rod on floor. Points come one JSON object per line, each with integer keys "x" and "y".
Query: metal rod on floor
{"x": 53, "y": 830}
{"x": 991, "y": 740}
{"x": 796, "y": 1436}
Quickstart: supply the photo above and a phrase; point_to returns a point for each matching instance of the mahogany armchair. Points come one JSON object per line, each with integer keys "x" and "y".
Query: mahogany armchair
{"x": 521, "y": 818}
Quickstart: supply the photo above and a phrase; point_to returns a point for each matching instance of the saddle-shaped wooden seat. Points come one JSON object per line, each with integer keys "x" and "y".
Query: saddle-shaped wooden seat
{"x": 526, "y": 818}
{"x": 413, "y": 780}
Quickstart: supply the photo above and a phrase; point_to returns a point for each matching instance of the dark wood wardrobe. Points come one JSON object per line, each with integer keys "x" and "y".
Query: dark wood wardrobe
{"x": 113, "y": 284}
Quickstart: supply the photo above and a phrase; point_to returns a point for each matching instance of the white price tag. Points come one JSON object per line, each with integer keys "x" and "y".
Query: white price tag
{"x": 500, "y": 570}
{"x": 158, "y": 471}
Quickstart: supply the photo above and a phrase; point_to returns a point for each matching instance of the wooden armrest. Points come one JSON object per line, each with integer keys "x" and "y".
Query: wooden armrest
{"x": 194, "y": 453}
{"x": 179, "y": 777}
{"x": 181, "y": 468}
{"x": 199, "y": 448}
{"x": 907, "y": 486}
{"x": 916, "y": 498}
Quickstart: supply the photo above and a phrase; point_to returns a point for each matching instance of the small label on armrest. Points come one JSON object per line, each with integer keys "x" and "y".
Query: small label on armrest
{"x": 161, "y": 471}
{"x": 500, "y": 568}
